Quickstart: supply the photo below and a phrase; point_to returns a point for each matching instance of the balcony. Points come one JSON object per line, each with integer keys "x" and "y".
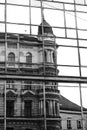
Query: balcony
{"x": 27, "y": 69}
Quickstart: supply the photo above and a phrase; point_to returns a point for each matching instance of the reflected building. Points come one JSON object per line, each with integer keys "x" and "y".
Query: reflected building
{"x": 25, "y": 102}
{"x": 71, "y": 115}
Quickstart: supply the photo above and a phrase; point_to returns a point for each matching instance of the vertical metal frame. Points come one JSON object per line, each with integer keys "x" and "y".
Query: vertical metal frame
{"x": 44, "y": 98}
{"x": 5, "y": 124}
{"x": 79, "y": 60}
{"x": 5, "y": 12}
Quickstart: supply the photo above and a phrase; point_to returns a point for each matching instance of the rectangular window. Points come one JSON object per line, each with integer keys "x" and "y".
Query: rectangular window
{"x": 69, "y": 124}
{"x": 9, "y": 108}
{"x": 27, "y": 85}
{"x": 28, "y": 108}
{"x": 78, "y": 124}
{"x": 10, "y": 84}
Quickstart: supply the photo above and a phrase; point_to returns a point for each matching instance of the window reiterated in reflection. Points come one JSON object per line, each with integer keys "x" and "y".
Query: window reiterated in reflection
{"x": 27, "y": 108}
{"x": 10, "y": 108}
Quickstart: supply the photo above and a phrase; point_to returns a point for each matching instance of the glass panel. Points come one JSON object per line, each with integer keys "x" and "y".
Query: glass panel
{"x": 83, "y": 54}
{"x": 2, "y": 13}
{"x": 69, "y": 42}
{"x": 83, "y": 43}
{"x": 69, "y": 7}
{"x": 68, "y": 90}
{"x": 67, "y": 56}
{"x": 52, "y": 5}
{"x": 14, "y": 28}
{"x": 54, "y": 15}
{"x": 82, "y": 34}
{"x": 2, "y": 1}
{"x": 82, "y": 20}
{"x": 81, "y": 8}
{"x": 21, "y": 15}
{"x": 36, "y": 19}
{"x": 34, "y": 30}
{"x": 2, "y": 27}
{"x": 21, "y": 2}
{"x": 68, "y": 1}
{"x": 70, "y": 19}
{"x": 84, "y": 71}
{"x": 35, "y": 3}
{"x": 59, "y": 32}
{"x": 79, "y": 1}
{"x": 68, "y": 71}
{"x": 71, "y": 33}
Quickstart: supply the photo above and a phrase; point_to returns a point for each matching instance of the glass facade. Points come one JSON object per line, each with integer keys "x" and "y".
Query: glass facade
{"x": 63, "y": 62}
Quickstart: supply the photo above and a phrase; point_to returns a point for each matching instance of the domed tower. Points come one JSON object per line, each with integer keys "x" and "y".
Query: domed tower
{"x": 48, "y": 49}
{"x": 48, "y": 58}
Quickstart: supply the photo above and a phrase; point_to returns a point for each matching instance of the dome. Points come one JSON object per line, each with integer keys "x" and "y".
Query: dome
{"x": 47, "y": 29}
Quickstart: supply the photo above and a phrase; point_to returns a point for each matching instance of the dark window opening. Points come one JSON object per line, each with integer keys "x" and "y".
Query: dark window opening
{"x": 56, "y": 108}
{"x": 79, "y": 124}
{"x": 9, "y": 108}
{"x": 45, "y": 56}
{"x": 28, "y": 129}
{"x": 47, "y": 108}
{"x": 53, "y": 57}
{"x": 28, "y": 108}
{"x": 69, "y": 124}
{"x": 9, "y": 128}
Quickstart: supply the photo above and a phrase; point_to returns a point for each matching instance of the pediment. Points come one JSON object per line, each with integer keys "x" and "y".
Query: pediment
{"x": 28, "y": 94}
{"x": 11, "y": 94}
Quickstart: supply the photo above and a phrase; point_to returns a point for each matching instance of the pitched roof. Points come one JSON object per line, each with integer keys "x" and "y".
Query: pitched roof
{"x": 66, "y": 104}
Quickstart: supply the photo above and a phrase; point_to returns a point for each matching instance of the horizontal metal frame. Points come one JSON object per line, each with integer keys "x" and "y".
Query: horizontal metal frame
{"x": 68, "y": 79}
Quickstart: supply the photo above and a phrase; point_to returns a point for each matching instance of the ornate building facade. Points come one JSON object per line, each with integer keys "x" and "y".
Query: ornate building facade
{"x": 25, "y": 102}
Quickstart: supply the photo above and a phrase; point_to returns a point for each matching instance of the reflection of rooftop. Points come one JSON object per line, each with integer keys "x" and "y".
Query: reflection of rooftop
{"x": 67, "y": 105}
{"x": 46, "y": 28}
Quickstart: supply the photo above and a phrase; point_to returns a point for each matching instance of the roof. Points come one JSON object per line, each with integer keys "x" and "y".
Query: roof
{"x": 66, "y": 104}
{"x": 46, "y": 28}
{"x": 22, "y": 37}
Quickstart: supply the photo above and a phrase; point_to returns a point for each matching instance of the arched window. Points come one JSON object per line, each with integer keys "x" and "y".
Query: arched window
{"x": 28, "y": 58}
{"x": 11, "y": 59}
